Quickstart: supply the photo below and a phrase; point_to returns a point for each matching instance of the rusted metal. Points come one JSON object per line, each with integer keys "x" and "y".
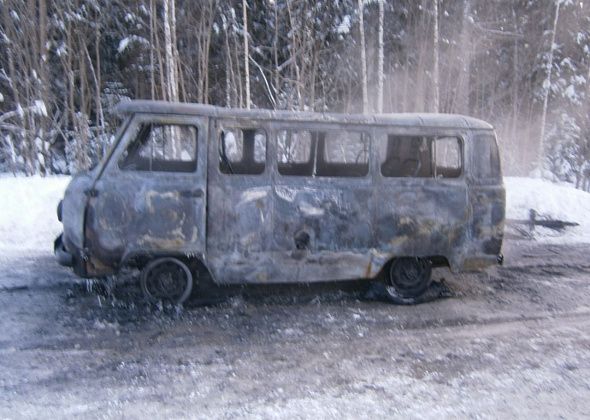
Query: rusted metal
{"x": 275, "y": 228}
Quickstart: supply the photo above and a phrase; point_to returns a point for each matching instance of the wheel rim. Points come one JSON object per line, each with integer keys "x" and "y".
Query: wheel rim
{"x": 410, "y": 276}
{"x": 167, "y": 279}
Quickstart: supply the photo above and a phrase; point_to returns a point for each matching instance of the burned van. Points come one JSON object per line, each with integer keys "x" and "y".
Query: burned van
{"x": 257, "y": 196}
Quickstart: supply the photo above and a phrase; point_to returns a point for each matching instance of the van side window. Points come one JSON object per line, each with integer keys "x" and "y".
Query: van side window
{"x": 407, "y": 156}
{"x": 343, "y": 154}
{"x": 294, "y": 152}
{"x": 448, "y": 157}
{"x": 486, "y": 160}
{"x": 242, "y": 151}
{"x": 162, "y": 147}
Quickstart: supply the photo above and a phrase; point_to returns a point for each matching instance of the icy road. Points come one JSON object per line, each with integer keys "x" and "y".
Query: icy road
{"x": 512, "y": 342}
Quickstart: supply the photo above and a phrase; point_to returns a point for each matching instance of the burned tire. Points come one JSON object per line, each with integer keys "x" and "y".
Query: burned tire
{"x": 167, "y": 279}
{"x": 409, "y": 277}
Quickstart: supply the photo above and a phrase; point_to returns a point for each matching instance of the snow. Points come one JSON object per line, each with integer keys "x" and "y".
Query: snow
{"x": 558, "y": 201}
{"x": 124, "y": 43}
{"x": 28, "y": 221}
{"x": 344, "y": 26}
{"x": 39, "y": 108}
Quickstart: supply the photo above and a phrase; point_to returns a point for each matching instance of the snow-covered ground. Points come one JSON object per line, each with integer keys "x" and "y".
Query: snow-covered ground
{"x": 28, "y": 220}
{"x": 557, "y": 201}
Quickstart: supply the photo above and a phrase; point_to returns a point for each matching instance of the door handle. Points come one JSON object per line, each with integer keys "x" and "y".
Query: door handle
{"x": 192, "y": 193}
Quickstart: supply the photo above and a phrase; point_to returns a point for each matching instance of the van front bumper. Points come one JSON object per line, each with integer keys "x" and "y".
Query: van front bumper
{"x": 62, "y": 256}
{"x": 67, "y": 258}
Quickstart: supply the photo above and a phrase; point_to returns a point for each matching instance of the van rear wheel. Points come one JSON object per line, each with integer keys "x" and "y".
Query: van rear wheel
{"x": 167, "y": 279}
{"x": 409, "y": 277}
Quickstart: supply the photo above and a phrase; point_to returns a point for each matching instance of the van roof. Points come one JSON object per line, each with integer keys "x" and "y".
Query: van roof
{"x": 397, "y": 119}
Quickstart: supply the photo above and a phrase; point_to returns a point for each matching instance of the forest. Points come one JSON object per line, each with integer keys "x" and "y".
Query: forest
{"x": 522, "y": 65}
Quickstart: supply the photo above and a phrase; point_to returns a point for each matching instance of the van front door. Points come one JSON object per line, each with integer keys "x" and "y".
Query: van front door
{"x": 150, "y": 198}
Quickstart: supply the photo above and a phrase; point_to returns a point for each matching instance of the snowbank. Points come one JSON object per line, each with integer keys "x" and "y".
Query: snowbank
{"x": 558, "y": 201}
{"x": 28, "y": 220}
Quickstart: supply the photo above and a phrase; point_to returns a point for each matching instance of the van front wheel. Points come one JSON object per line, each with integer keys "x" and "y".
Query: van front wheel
{"x": 167, "y": 279}
{"x": 409, "y": 277}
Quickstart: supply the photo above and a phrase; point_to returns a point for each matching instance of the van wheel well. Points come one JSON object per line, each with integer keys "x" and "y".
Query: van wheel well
{"x": 436, "y": 261}
{"x": 194, "y": 263}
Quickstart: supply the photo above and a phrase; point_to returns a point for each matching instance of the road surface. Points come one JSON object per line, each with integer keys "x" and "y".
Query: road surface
{"x": 514, "y": 341}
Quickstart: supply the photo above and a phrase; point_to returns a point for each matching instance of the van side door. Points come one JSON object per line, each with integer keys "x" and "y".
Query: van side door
{"x": 239, "y": 210}
{"x": 323, "y": 205}
{"x": 150, "y": 198}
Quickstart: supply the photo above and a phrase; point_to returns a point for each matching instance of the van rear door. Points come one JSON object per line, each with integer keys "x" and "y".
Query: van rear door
{"x": 421, "y": 195}
{"x": 488, "y": 200}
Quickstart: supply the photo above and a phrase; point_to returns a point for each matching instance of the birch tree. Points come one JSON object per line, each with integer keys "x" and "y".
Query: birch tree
{"x": 169, "y": 48}
{"x": 246, "y": 53}
{"x": 547, "y": 87}
{"x": 363, "y": 57}
{"x": 435, "y": 79}
{"x": 380, "y": 73}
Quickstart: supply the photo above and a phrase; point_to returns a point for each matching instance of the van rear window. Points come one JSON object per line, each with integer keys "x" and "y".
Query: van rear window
{"x": 448, "y": 157}
{"x": 421, "y": 157}
{"x": 162, "y": 147}
{"x": 486, "y": 160}
{"x": 407, "y": 156}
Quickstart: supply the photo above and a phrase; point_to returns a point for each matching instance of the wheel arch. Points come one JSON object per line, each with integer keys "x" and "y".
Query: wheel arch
{"x": 195, "y": 261}
{"x": 437, "y": 261}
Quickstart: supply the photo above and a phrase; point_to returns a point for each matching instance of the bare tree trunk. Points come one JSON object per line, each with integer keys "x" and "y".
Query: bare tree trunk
{"x": 461, "y": 101}
{"x": 515, "y": 77}
{"x": 177, "y": 73}
{"x": 380, "y": 73}
{"x": 547, "y": 89}
{"x": 295, "y": 65}
{"x": 228, "y": 67}
{"x": 275, "y": 46}
{"x": 363, "y": 58}
{"x": 239, "y": 85}
{"x": 152, "y": 59}
{"x": 44, "y": 85}
{"x": 435, "y": 80}
{"x": 231, "y": 81}
{"x": 100, "y": 126}
{"x": 171, "y": 65}
{"x": 246, "y": 53}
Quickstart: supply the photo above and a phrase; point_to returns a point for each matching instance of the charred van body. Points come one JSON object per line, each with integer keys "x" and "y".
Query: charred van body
{"x": 275, "y": 196}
